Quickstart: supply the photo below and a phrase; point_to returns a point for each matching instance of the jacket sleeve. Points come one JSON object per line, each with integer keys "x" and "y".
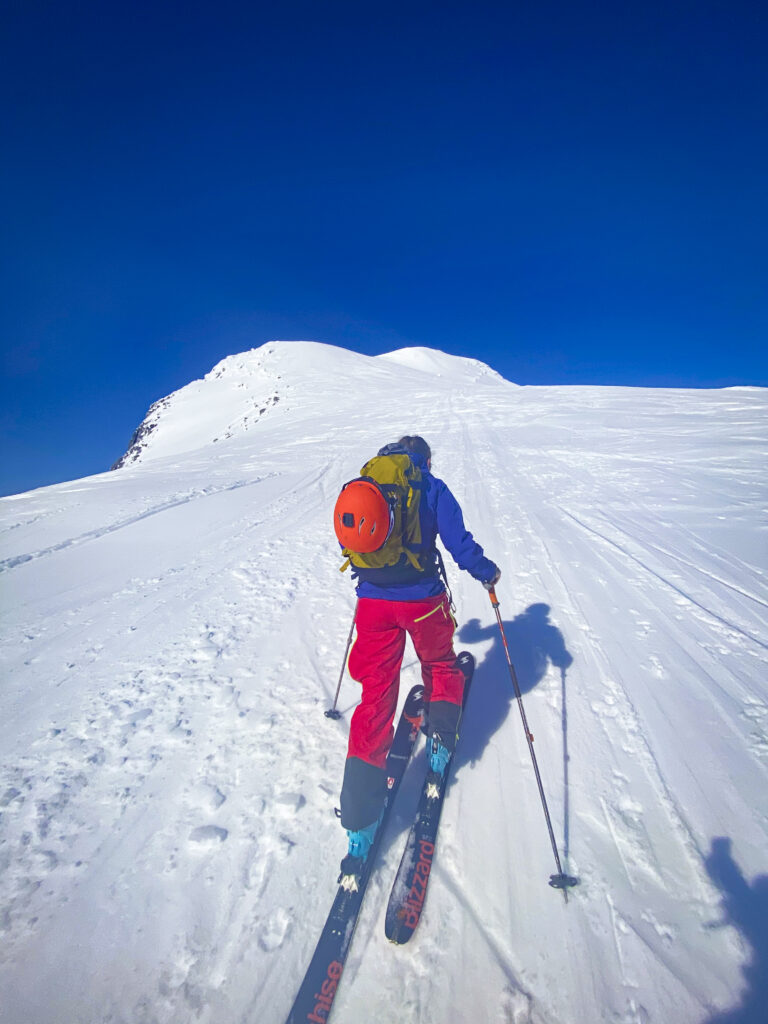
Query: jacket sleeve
{"x": 459, "y": 542}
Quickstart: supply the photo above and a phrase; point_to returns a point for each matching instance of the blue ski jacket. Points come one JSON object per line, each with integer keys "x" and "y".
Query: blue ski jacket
{"x": 440, "y": 516}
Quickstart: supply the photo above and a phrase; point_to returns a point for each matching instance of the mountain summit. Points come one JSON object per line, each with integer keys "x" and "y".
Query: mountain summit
{"x": 277, "y": 381}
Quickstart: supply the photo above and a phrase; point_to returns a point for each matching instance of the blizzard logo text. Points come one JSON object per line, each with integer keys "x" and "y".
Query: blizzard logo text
{"x": 327, "y": 991}
{"x": 414, "y": 905}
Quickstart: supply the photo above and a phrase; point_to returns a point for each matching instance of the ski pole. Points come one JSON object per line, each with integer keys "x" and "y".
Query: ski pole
{"x": 560, "y": 880}
{"x": 332, "y": 712}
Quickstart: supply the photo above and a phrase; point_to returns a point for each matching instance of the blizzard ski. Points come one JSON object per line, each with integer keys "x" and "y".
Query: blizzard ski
{"x": 318, "y": 989}
{"x": 409, "y": 891}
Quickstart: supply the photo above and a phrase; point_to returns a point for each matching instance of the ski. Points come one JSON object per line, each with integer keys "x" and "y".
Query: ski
{"x": 318, "y": 989}
{"x": 406, "y": 901}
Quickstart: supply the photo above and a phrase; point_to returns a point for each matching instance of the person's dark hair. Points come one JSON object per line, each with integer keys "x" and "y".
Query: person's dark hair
{"x": 416, "y": 444}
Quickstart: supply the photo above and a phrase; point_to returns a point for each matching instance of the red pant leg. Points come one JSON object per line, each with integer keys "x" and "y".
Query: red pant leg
{"x": 375, "y": 663}
{"x": 431, "y": 627}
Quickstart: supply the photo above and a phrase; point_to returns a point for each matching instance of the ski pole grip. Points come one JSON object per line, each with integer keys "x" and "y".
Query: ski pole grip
{"x": 494, "y": 599}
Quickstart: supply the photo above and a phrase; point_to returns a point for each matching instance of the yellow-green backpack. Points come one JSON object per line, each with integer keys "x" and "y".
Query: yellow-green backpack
{"x": 400, "y": 482}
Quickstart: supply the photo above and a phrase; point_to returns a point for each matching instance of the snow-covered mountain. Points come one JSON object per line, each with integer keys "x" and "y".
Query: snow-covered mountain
{"x": 173, "y": 632}
{"x": 293, "y": 382}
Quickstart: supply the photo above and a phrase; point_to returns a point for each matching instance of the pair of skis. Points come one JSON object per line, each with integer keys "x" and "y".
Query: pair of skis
{"x": 315, "y": 997}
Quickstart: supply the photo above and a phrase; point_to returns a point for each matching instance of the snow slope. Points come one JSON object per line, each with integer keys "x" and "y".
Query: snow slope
{"x": 173, "y": 632}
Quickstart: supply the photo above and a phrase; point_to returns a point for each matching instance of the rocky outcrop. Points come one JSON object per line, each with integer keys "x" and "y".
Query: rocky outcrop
{"x": 138, "y": 442}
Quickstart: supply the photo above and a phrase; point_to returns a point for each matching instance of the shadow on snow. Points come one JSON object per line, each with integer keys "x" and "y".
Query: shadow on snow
{"x": 745, "y": 907}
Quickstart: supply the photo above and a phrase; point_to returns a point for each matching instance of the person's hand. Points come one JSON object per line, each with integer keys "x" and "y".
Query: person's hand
{"x": 490, "y": 584}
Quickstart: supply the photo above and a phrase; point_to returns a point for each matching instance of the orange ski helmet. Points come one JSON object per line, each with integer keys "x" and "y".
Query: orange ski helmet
{"x": 363, "y": 517}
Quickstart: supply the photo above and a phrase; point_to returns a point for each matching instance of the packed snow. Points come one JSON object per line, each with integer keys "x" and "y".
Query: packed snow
{"x": 174, "y": 630}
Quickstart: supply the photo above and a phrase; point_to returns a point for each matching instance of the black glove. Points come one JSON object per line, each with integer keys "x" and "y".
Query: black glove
{"x": 490, "y": 584}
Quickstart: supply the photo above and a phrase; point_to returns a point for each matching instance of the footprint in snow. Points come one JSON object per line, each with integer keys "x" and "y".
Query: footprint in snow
{"x": 10, "y": 796}
{"x": 274, "y": 930}
{"x": 207, "y": 796}
{"x": 288, "y": 804}
{"x": 208, "y": 835}
{"x": 137, "y": 717}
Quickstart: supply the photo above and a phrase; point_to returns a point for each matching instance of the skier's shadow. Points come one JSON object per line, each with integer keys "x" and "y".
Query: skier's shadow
{"x": 745, "y": 907}
{"x": 534, "y": 642}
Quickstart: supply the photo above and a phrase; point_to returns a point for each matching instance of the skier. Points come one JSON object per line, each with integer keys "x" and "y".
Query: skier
{"x": 409, "y": 597}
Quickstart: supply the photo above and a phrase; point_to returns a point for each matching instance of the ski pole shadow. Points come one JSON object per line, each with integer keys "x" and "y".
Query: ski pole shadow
{"x": 534, "y": 643}
{"x": 745, "y": 907}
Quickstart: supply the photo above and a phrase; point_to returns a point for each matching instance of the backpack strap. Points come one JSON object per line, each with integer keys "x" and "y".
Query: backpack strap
{"x": 412, "y": 558}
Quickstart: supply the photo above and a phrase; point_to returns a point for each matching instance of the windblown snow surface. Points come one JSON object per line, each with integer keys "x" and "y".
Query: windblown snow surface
{"x": 174, "y": 630}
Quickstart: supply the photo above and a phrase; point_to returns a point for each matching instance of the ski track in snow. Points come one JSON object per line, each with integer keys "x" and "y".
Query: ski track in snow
{"x": 11, "y": 563}
{"x": 174, "y": 630}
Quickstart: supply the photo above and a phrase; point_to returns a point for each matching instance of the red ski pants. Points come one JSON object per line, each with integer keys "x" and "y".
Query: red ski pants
{"x": 375, "y": 662}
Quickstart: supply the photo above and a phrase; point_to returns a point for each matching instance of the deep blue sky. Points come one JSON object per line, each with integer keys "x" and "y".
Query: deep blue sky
{"x": 573, "y": 192}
